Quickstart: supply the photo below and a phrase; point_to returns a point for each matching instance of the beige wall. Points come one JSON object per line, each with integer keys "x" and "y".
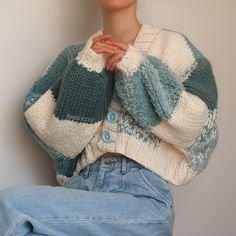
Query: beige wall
{"x": 33, "y": 32}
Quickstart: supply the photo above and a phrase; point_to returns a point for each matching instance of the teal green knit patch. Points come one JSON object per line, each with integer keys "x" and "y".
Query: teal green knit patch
{"x": 151, "y": 93}
{"x": 162, "y": 84}
{"x": 63, "y": 59}
{"x": 134, "y": 98}
{"x": 201, "y": 81}
{"x": 55, "y": 88}
{"x": 84, "y": 95}
{"x": 80, "y": 95}
{"x": 51, "y": 75}
{"x": 128, "y": 125}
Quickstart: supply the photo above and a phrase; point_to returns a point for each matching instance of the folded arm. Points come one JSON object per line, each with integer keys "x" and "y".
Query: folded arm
{"x": 180, "y": 111}
{"x": 66, "y": 105}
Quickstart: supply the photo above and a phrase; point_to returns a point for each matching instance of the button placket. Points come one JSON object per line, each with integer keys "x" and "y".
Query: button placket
{"x": 111, "y": 117}
{"x": 106, "y": 136}
{"x": 109, "y": 128}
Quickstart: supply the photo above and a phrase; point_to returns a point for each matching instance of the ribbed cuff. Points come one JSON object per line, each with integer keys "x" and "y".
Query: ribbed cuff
{"x": 90, "y": 59}
{"x": 130, "y": 61}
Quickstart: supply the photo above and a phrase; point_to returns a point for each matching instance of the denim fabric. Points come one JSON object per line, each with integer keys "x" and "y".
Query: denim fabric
{"x": 113, "y": 196}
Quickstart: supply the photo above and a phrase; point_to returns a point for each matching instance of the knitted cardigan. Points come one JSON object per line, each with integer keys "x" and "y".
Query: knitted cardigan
{"x": 163, "y": 93}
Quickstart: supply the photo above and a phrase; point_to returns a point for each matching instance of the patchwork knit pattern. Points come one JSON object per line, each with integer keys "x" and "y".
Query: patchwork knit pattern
{"x": 163, "y": 93}
{"x": 63, "y": 105}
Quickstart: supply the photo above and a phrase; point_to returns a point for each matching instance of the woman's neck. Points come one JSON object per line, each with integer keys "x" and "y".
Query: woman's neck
{"x": 123, "y": 24}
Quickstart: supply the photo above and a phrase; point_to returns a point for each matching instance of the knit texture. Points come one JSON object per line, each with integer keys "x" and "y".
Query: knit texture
{"x": 163, "y": 93}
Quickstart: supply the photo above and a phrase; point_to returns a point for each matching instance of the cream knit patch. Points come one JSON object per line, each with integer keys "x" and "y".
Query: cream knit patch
{"x": 66, "y": 136}
{"x": 172, "y": 49}
{"x": 166, "y": 160}
{"x": 186, "y": 122}
{"x": 130, "y": 61}
{"x": 90, "y": 59}
{"x": 61, "y": 179}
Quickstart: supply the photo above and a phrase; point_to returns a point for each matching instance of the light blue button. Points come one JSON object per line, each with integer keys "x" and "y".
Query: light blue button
{"x": 111, "y": 116}
{"x": 106, "y": 136}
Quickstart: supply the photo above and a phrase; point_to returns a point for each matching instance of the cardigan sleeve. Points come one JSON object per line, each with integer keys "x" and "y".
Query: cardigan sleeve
{"x": 64, "y": 166}
{"x": 66, "y": 105}
{"x": 179, "y": 110}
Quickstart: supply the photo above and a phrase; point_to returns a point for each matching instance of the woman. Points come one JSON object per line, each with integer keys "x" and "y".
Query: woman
{"x": 122, "y": 115}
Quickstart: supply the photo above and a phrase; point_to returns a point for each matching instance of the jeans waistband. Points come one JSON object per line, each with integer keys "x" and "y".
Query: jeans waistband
{"x": 124, "y": 163}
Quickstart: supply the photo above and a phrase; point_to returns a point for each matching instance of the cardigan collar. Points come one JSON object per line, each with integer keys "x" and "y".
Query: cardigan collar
{"x": 145, "y": 37}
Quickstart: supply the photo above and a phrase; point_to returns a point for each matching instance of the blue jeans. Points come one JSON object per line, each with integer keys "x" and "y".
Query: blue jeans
{"x": 113, "y": 196}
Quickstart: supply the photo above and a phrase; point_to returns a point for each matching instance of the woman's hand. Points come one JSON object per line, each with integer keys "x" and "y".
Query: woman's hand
{"x": 114, "y": 50}
{"x": 117, "y": 55}
{"x": 99, "y": 45}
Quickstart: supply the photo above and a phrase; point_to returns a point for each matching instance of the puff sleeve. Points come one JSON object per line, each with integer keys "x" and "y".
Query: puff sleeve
{"x": 178, "y": 108}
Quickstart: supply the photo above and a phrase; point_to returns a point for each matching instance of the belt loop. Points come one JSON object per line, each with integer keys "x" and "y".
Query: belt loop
{"x": 123, "y": 165}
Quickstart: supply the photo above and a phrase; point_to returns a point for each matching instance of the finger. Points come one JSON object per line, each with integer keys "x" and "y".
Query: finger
{"x": 102, "y": 45}
{"x": 99, "y": 45}
{"x": 113, "y": 65}
{"x": 117, "y": 44}
{"x": 114, "y": 58}
{"x": 104, "y": 49}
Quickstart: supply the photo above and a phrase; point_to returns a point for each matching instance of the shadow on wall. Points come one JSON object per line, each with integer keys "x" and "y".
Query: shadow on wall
{"x": 32, "y": 34}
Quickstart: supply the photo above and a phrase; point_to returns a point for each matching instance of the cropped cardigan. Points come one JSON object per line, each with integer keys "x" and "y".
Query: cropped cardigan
{"x": 158, "y": 107}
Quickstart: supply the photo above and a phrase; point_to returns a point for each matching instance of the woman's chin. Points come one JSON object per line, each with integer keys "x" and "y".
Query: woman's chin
{"x": 115, "y": 4}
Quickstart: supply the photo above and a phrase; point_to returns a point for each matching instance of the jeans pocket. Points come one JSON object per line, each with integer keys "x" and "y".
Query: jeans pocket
{"x": 157, "y": 185}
